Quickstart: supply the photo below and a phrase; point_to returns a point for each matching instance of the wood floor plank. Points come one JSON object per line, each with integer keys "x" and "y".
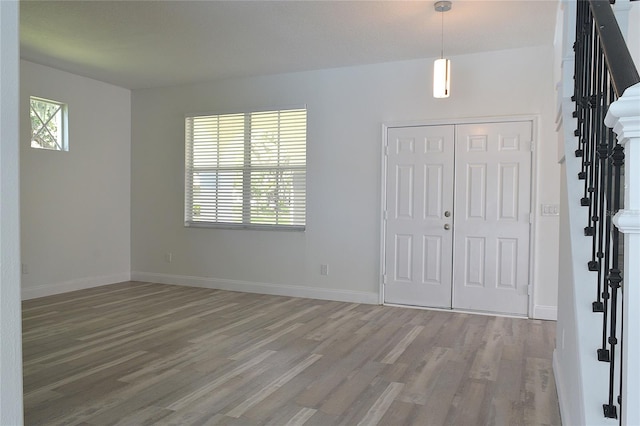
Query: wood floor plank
{"x": 320, "y": 389}
{"x": 154, "y": 354}
{"x": 301, "y": 417}
{"x": 264, "y": 341}
{"x": 382, "y": 404}
{"x": 399, "y": 413}
{"x": 422, "y": 380}
{"x": 350, "y": 389}
{"x": 399, "y": 349}
{"x": 539, "y": 391}
{"x": 487, "y": 360}
{"x": 468, "y": 404}
{"x": 439, "y": 401}
{"x": 200, "y": 392}
{"x": 272, "y": 387}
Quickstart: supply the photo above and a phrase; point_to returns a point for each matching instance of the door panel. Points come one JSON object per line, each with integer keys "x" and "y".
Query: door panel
{"x": 491, "y": 229}
{"x": 419, "y": 189}
{"x": 474, "y": 261}
{"x": 476, "y": 191}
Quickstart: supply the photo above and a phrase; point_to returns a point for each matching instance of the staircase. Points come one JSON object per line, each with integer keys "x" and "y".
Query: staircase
{"x": 597, "y": 356}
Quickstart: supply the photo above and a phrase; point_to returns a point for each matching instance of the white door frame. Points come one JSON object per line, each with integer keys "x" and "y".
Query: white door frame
{"x": 455, "y": 121}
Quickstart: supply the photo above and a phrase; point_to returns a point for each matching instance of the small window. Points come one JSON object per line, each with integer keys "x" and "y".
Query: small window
{"x": 48, "y": 124}
{"x": 246, "y": 170}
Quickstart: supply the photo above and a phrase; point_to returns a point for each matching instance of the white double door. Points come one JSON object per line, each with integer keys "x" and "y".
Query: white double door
{"x": 457, "y": 216}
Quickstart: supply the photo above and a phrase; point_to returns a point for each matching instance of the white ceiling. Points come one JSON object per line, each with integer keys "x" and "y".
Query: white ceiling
{"x": 141, "y": 44}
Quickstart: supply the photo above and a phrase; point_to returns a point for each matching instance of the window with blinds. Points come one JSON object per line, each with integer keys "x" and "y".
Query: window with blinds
{"x": 246, "y": 170}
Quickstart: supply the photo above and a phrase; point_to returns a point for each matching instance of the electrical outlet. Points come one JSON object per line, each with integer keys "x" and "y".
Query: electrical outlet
{"x": 324, "y": 269}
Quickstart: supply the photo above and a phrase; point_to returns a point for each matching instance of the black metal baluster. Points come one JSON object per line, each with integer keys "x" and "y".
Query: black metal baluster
{"x": 598, "y": 211}
{"x": 594, "y": 187}
{"x": 615, "y": 278}
{"x": 603, "y": 352}
{"x": 586, "y": 101}
{"x": 587, "y": 34}
{"x": 577, "y": 50}
{"x": 578, "y": 45}
{"x": 580, "y": 65}
{"x": 594, "y": 125}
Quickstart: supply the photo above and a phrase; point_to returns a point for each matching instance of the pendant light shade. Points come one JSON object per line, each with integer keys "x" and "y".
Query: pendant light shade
{"x": 442, "y": 66}
{"x": 441, "y": 78}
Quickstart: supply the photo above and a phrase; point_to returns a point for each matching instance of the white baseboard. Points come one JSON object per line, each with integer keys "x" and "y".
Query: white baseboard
{"x": 72, "y": 285}
{"x": 561, "y": 389}
{"x": 257, "y": 287}
{"x": 545, "y": 312}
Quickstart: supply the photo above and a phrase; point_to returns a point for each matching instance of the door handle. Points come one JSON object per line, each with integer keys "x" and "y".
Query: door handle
{"x": 447, "y": 226}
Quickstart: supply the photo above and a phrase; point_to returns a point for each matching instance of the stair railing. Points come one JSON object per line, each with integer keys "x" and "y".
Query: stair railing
{"x": 604, "y": 70}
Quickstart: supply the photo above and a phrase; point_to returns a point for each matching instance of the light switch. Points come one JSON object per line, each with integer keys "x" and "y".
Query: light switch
{"x": 550, "y": 209}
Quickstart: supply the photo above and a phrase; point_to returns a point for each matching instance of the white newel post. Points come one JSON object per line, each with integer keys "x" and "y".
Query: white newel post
{"x": 624, "y": 118}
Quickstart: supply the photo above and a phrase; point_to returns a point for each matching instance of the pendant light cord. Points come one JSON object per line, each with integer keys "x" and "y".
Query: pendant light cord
{"x": 442, "y": 35}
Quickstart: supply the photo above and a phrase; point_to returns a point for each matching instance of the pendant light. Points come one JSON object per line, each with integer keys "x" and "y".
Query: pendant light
{"x": 442, "y": 66}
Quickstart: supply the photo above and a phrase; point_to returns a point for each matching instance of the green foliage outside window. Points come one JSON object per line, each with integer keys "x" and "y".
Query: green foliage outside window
{"x": 47, "y": 124}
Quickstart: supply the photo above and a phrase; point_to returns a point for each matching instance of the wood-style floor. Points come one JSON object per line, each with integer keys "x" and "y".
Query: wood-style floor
{"x": 141, "y": 354}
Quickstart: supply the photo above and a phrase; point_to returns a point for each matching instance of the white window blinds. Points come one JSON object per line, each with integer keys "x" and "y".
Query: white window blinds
{"x": 246, "y": 170}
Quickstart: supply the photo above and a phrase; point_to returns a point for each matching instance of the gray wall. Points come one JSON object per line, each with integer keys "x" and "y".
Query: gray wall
{"x": 346, "y": 108}
{"x": 75, "y": 205}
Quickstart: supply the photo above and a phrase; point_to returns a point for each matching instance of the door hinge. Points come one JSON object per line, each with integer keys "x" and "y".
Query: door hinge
{"x": 529, "y": 290}
{"x": 384, "y": 278}
{"x": 533, "y": 146}
{"x": 530, "y": 217}
{"x": 386, "y": 150}
{"x": 386, "y": 215}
